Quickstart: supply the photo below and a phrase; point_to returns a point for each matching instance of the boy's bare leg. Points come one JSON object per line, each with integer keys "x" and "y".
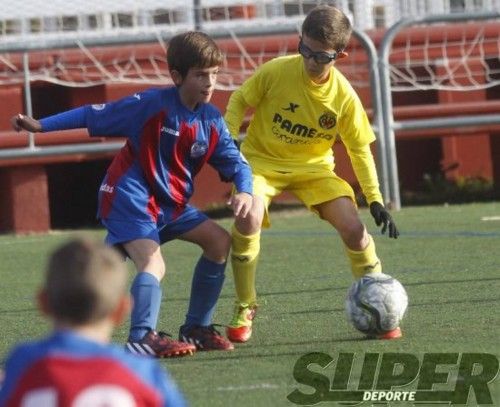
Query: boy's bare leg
{"x": 146, "y": 292}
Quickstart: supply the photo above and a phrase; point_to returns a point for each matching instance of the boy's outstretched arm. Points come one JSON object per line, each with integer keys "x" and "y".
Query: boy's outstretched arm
{"x": 21, "y": 122}
{"x": 70, "y": 119}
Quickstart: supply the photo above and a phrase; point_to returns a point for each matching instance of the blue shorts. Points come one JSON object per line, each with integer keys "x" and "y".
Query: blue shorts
{"x": 121, "y": 231}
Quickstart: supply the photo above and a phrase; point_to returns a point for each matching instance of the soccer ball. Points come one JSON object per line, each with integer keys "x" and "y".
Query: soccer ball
{"x": 376, "y": 304}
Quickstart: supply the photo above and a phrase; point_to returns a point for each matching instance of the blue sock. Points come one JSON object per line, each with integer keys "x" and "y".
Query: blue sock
{"x": 207, "y": 284}
{"x": 146, "y": 293}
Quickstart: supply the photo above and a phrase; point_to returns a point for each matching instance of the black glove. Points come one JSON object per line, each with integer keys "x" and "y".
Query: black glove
{"x": 382, "y": 217}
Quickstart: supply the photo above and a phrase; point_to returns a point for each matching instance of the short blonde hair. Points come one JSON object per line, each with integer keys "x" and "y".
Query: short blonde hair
{"x": 84, "y": 282}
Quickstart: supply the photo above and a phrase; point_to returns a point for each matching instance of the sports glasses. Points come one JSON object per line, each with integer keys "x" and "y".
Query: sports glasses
{"x": 321, "y": 57}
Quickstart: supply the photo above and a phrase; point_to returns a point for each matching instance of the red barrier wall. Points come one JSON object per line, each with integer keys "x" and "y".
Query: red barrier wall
{"x": 24, "y": 204}
{"x": 11, "y": 103}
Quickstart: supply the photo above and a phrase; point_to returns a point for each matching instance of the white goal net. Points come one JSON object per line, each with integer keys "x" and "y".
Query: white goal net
{"x": 451, "y": 56}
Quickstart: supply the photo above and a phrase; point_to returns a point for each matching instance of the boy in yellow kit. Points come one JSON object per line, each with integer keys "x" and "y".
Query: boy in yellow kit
{"x": 302, "y": 103}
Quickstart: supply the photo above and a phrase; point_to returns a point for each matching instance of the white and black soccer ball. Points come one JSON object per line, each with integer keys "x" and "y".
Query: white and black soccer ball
{"x": 376, "y": 303}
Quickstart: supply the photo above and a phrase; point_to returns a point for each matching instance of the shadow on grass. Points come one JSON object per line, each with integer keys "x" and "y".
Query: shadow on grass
{"x": 344, "y": 288}
{"x": 411, "y": 305}
{"x": 254, "y": 353}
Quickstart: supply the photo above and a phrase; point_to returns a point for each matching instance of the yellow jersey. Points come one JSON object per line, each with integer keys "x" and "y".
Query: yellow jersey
{"x": 296, "y": 121}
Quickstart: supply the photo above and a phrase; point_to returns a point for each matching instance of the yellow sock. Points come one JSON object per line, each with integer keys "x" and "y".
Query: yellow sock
{"x": 364, "y": 261}
{"x": 244, "y": 257}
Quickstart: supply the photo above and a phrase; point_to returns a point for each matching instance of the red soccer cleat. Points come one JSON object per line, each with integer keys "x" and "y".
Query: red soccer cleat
{"x": 394, "y": 334}
{"x": 159, "y": 345}
{"x": 240, "y": 328}
{"x": 204, "y": 338}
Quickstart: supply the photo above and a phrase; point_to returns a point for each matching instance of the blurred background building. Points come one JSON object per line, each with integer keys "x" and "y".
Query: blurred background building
{"x": 49, "y": 18}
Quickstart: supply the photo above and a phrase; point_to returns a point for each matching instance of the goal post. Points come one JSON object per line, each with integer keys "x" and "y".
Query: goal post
{"x": 461, "y": 59}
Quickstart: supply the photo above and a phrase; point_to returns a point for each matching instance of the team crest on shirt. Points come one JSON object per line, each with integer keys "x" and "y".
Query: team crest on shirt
{"x": 99, "y": 106}
{"x": 198, "y": 149}
{"x": 327, "y": 120}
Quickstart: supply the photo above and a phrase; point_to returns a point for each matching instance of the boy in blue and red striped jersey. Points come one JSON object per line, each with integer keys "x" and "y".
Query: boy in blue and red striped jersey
{"x": 84, "y": 293}
{"x": 143, "y": 200}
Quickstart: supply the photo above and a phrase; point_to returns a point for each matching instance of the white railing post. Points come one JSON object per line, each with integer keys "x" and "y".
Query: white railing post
{"x": 28, "y": 106}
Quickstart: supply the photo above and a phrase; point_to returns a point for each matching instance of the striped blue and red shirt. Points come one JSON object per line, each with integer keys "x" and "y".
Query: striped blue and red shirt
{"x": 167, "y": 145}
{"x": 66, "y": 369}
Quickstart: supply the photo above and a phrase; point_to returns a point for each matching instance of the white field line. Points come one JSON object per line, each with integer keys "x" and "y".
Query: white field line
{"x": 490, "y": 218}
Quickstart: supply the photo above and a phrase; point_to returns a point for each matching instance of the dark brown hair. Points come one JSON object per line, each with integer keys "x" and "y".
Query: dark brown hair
{"x": 329, "y": 25}
{"x": 193, "y": 49}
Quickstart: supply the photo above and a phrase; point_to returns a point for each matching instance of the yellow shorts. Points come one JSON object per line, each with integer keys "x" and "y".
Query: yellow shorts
{"x": 312, "y": 188}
